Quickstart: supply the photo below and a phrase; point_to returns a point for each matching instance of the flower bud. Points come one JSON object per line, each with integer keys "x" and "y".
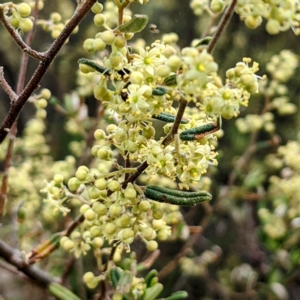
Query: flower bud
{"x": 127, "y": 233}
{"x": 88, "y": 277}
{"x": 110, "y": 228}
{"x": 84, "y": 208}
{"x": 45, "y": 93}
{"x": 88, "y": 45}
{"x": 115, "y": 59}
{"x": 68, "y": 245}
{"x": 174, "y": 62}
{"x": 115, "y": 210}
{"x": 90, "y": 215}
{"x": 94, "y": 193}
{"x": 98, "y": 45}
{"x": 130, "y": 193}
{"x": 14, "y": 21}
{"x": 95, "y": 231}
{"x": 24, "y": 10}
{"x": 26, "y": 25}
{"x": 101, "y": 183}
{"x": 114, "y": 185}
{"x": 99, "y": 208}
{"x": 97, "y": 8}
{"x": 152, "y": 246}
{"x": 144, "y": 206}
{"x": 58, "y": 178}
{"x": 105, "y": 153}
{"x": 99, "y": 134}
{"x": 73, "y": 184}
{"x": 98, "y": 242}
{"x": 162, "y": 71}
{"x": 148, "y": 233}
{"x": 120, "y": 135}
{"x": 136, "y": 77}
{"x": 99, "y": 19}
{"x": 107, "y": 36}
{"x": 157, "y": 214}
{"x": 119, "y": 41}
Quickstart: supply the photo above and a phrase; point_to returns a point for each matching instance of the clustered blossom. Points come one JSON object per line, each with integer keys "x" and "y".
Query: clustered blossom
{"x": 281, "y": 68}
{"x": 135, "y": 87}
{"x": 283, "y": 215}
{"x": 281, "y": 15}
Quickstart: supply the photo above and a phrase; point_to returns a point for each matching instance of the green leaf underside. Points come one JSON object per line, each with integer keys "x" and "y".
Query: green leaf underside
{"x": 204, "y": 42}
{"x": 159, "y": 91}
{"x": 136, "y": 24}
{"x": 180, "y": 197}
{"x": 94, "y": 65}
{"x": 168, "y": 118}
{"x": 171, "y": 80}
{"x": 199, "y": 132}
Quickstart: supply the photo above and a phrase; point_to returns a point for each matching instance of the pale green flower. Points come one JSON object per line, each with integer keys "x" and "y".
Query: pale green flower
{"x": 148, "y": 60}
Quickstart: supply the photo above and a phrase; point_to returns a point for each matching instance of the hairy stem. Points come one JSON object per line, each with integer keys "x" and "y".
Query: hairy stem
{"x": 17, "y": 38}
{"x": 222, "y": 26}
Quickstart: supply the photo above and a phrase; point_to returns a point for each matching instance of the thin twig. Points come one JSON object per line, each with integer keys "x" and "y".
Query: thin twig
{"x": 190, "y": 242}
{"x": 17, "y": 38}
{"x": 69, "y": 266}
{"x": 222, "y": 25}
{"x": 43, "y": 66}
{"x": 170, "y": 137}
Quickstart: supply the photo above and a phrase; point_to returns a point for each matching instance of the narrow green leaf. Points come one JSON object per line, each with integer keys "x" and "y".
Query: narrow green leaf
{"x": 170, "y": 80}
{"x": 150, "y": 275}
{"x": 115, "y": 275}
{"x": 124, "y": 283}
{"x": 178, "y": 296}
{"x": 152, "y": 292}
{"x": 204, "y": 42}
{"x": 159, "y": 91}
{"x": 61, "y": 292}
{"x": 94, "y": 65}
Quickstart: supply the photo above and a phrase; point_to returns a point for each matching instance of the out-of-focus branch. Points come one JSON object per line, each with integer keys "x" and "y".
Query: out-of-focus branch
{"x": 43, "y": 66}
{"x": 190, "y": 242}
{"x": 13, "y": 132}
{"x": 17, "y": 38}
{"x": 222, "y": 26}
{"x": 14, "y": 257}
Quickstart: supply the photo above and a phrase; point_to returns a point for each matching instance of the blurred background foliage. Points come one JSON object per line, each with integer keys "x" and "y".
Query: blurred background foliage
{"x": 233, "y": 258}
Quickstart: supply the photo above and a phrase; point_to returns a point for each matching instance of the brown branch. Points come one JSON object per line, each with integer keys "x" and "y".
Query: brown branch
{"x": 170, "y": 137}
{"x": 222, "y": 26}
{"x": 43, "y": 66}
{"x": 17, "y": 38}
{"x": 13, "y": 256}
